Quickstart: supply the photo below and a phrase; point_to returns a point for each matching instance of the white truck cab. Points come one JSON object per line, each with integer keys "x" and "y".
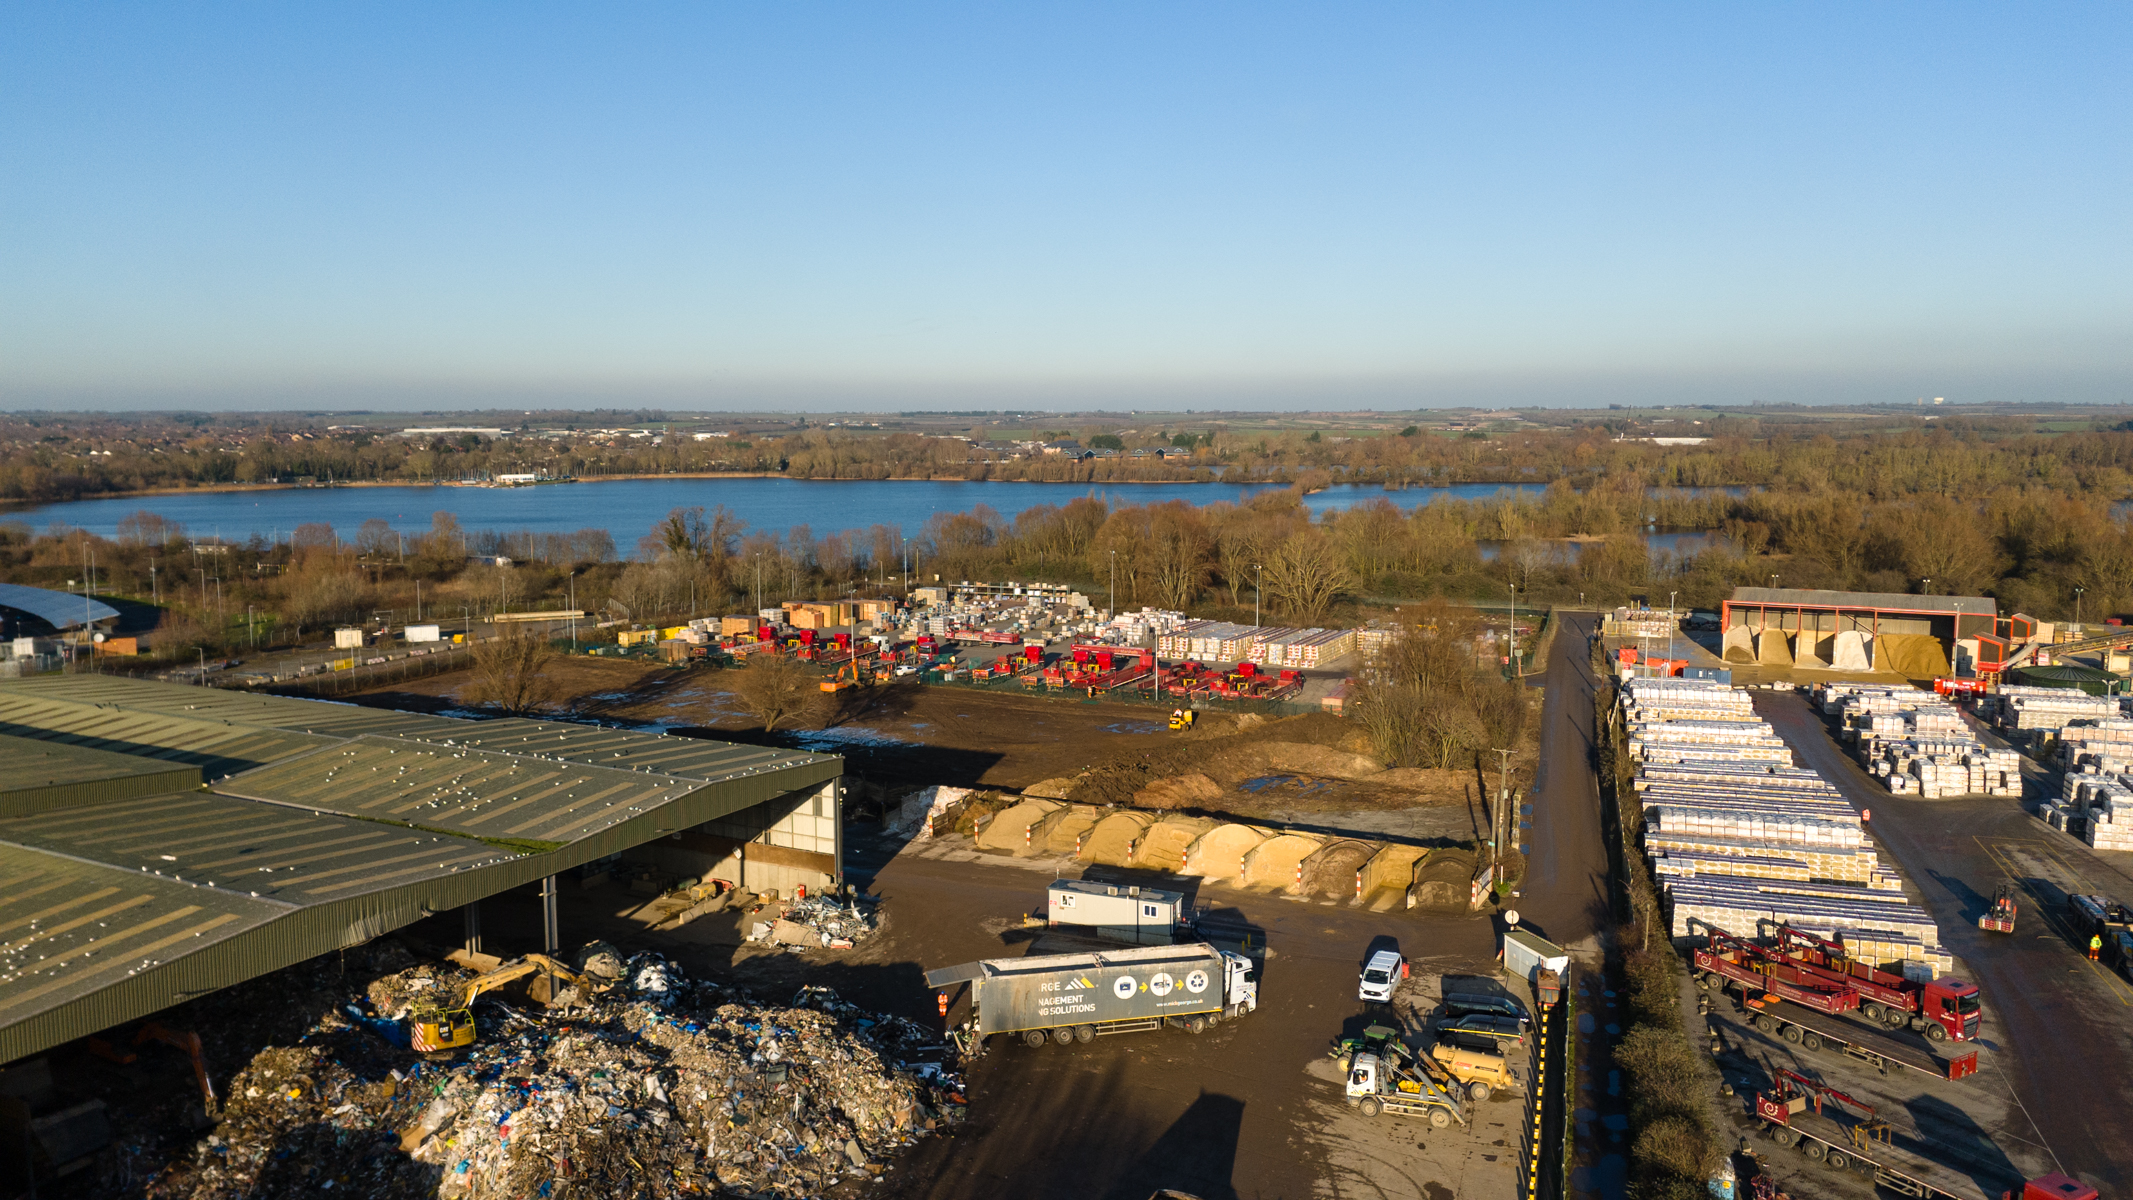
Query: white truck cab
{"x": 1240, "y": 991}
{"x": 1381, "y": 975}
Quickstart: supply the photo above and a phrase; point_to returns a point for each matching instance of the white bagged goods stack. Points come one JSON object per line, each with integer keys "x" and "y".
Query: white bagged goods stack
{"x": 1738, "y": 837}
{"x": 2096, "y": 807}
{"x": 2050, "y": 709}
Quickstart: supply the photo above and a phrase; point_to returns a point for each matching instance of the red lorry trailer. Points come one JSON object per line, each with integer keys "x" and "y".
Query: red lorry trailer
{"x": 1942, "y": 1009}
{"x": 1809, "y": 1018}
{"x": 1846, "y": 1136}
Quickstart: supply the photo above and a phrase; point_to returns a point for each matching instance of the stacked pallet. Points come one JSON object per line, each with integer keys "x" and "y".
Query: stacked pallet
{"x": 1739, "y": 842}
{"x": 2096, "y": 807}
{"x": 2050, "y": 710}
{"x": 2106, "y": 745}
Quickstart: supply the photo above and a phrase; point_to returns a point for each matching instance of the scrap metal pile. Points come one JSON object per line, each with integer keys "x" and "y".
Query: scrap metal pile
{"x": 659, "y": 1086}
{"x": 818, "y": 921}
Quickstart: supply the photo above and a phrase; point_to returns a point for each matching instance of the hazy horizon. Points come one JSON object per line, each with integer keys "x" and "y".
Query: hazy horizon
{"x": 1362, "y": 206}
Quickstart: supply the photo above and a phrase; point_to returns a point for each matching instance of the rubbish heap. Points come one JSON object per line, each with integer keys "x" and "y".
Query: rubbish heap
{"x": 818, "y": 921}
{"x": 660, "y": 1086}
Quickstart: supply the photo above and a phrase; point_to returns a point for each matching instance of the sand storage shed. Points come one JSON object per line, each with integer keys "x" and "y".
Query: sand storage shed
{"x": 1273, "y": 863}
{"x": 1389, "y": 873}
{"x": 1739, "y": 644}
{"x": 1016, "y": 827}
{"x": 1112, "y": 840}
{"x": 1331, "y": 871}
{"x": 1163, "y": 847}
{"x": 1074, "y": 823}
{"x": 1911, "y": 655}
{"x": 1444, "y": 881}
{"x": 1219, "y": 854}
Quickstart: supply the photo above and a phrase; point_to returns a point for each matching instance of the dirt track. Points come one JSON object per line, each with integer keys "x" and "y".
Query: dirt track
{"x": 1294, "y": 769}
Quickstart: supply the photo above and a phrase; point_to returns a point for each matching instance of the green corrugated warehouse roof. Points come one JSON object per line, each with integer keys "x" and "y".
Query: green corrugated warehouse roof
{"x": 327, "y": 825}
{"x": 37, "y": 775}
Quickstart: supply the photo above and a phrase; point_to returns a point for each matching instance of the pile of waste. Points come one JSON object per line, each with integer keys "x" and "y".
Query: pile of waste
{"x": 818, "y": 921}
{"x": 658, "y": 1086}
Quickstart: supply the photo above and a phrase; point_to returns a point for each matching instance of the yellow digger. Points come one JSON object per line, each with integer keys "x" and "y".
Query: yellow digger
{"x": 432, "y": 1027}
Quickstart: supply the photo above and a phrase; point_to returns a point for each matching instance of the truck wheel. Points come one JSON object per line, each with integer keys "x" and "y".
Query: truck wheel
{"x": 1934, "y": 1033}
{"x": 1370, "y": 1106}
{"x": 1791, "y": 1034}
{"x": 1839, "y": 1161}
{"x": 1196, "y": 1025}
{"x": 1033, "y": 1038}
{"x": 1707, "y": 981}
{"x": 1810, "y": 1041}
{"x": 1438, "y": 1118}
{"x": 1874, "y": 1013}
{"x": 1817, "y": 1151}
{"x": 1785, "y": 1137}
{"x": 1895, "y": 1019}
{"x": 1085, "y": 1034}
{"x": 1477, "y": 1091}
{"x": 1064, "y": 1035}
{"x": 1765, "y": 1023}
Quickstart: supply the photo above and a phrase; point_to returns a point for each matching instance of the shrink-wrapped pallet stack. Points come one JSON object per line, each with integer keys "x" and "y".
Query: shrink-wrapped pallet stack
{"x": 1740, "y": 841}
{"x": 2049, "y": 710}
{"x": 1919, "y": 744}
{"x": 2096, "y": 807}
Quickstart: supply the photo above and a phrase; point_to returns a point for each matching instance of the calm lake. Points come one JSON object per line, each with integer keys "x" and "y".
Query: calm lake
{"x": 628, "y": 508}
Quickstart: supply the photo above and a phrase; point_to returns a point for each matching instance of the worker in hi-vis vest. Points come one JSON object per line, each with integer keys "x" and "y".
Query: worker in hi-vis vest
{"x": 2095, "y": 946}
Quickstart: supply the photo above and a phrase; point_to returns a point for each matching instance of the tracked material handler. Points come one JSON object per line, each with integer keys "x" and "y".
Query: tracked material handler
{"x": 434, "y": 1028}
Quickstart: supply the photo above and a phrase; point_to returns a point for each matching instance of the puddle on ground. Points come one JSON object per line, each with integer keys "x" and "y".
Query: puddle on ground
{"x": 1294, "y": 784}
{"x": 1135, "y": 727}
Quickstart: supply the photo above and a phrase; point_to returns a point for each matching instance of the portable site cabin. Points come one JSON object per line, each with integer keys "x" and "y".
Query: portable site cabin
{"x": 1526, "y": 955}
{"x": 1141, "y": 916}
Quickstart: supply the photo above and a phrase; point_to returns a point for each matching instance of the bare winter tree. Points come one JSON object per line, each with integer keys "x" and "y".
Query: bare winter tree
{"x": 774, "y": 688}
{"x": 510, "y": 672}
{"x": 1305, "y": 573}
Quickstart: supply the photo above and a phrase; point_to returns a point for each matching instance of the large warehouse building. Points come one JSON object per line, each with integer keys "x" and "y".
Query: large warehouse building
{"x": 159, "y": 842}
{"x": 1915, "y": 635}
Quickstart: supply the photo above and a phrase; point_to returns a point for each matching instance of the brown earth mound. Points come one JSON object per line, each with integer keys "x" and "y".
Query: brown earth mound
{"x": 1182, "y": 791}
{"x": 1444, "y": 881}
{"x": 1330, "y": 872}
{"x": 1228, "y": 754}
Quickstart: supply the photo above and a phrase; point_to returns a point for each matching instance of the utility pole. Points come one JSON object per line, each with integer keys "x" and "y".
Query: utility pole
{"x": 2077, "y": 606}
{"x": 1114, "y": 583}
{"x": 1497, "y": 819}
{"x": 1514, "y": 634}
{"x": 1258, "y": 590}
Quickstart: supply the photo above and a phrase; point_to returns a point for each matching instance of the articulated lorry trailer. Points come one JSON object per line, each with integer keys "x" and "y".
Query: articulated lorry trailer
{"x": 1075, "y": 997}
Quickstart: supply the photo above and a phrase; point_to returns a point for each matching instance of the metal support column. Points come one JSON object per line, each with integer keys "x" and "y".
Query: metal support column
{"x": 551, "y": 933}
{"x": 471, "y": 912}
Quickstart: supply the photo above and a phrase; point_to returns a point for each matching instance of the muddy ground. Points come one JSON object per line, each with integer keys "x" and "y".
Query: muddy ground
{"x": 905, "y": 735}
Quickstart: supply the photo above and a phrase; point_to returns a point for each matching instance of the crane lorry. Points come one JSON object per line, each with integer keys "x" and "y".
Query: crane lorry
{"x": 1810, "y": 1015}
{"x": 1843, "y": 1133}
{"x": 1942, "y": 1009}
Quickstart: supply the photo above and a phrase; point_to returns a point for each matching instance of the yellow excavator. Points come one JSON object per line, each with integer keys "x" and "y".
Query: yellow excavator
{"x": 433, "y": 1027}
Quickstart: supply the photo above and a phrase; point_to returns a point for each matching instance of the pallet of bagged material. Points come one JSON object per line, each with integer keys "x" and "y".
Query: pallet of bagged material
{"x": 1745, "y": 866}
{"x": 1855, "y": 866}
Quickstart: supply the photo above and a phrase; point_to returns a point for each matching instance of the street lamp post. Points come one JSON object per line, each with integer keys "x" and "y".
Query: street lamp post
{"x": 1114, "y": 583}
{"x": 1258, "y": 590}
{"x": 2077, "y": 606}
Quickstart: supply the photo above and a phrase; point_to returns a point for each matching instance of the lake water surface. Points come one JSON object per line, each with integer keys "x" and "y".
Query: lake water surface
{"x": 627, "y": 508}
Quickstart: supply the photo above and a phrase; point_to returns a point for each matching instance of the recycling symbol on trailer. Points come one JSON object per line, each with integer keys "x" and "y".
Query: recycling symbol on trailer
{"x": 1196, "y": 982}
{"x": 1124, "y": 986}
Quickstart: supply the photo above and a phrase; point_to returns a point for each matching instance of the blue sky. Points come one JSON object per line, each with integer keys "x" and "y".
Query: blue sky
{"x": 998, "y": 205}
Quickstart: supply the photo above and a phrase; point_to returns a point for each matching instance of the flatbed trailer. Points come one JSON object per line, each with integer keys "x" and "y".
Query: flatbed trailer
{"x": 1876, "y": 1048}
{"x": 1844, "y": 1147}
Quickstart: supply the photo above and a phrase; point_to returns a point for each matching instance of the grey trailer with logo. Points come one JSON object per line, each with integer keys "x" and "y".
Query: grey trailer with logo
{"x": 1075, "y": 997}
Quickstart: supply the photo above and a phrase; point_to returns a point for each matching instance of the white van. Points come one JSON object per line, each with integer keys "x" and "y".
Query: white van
{"x": 1381, "y": 975}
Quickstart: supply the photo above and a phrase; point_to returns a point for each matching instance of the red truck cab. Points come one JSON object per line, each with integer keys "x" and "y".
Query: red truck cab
{"x": 1953, "y": 1007}
{"x": 2052, "y": 1187}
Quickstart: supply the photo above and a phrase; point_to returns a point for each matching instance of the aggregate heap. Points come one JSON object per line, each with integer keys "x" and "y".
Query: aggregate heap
{"x": 1739, "y": 836}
